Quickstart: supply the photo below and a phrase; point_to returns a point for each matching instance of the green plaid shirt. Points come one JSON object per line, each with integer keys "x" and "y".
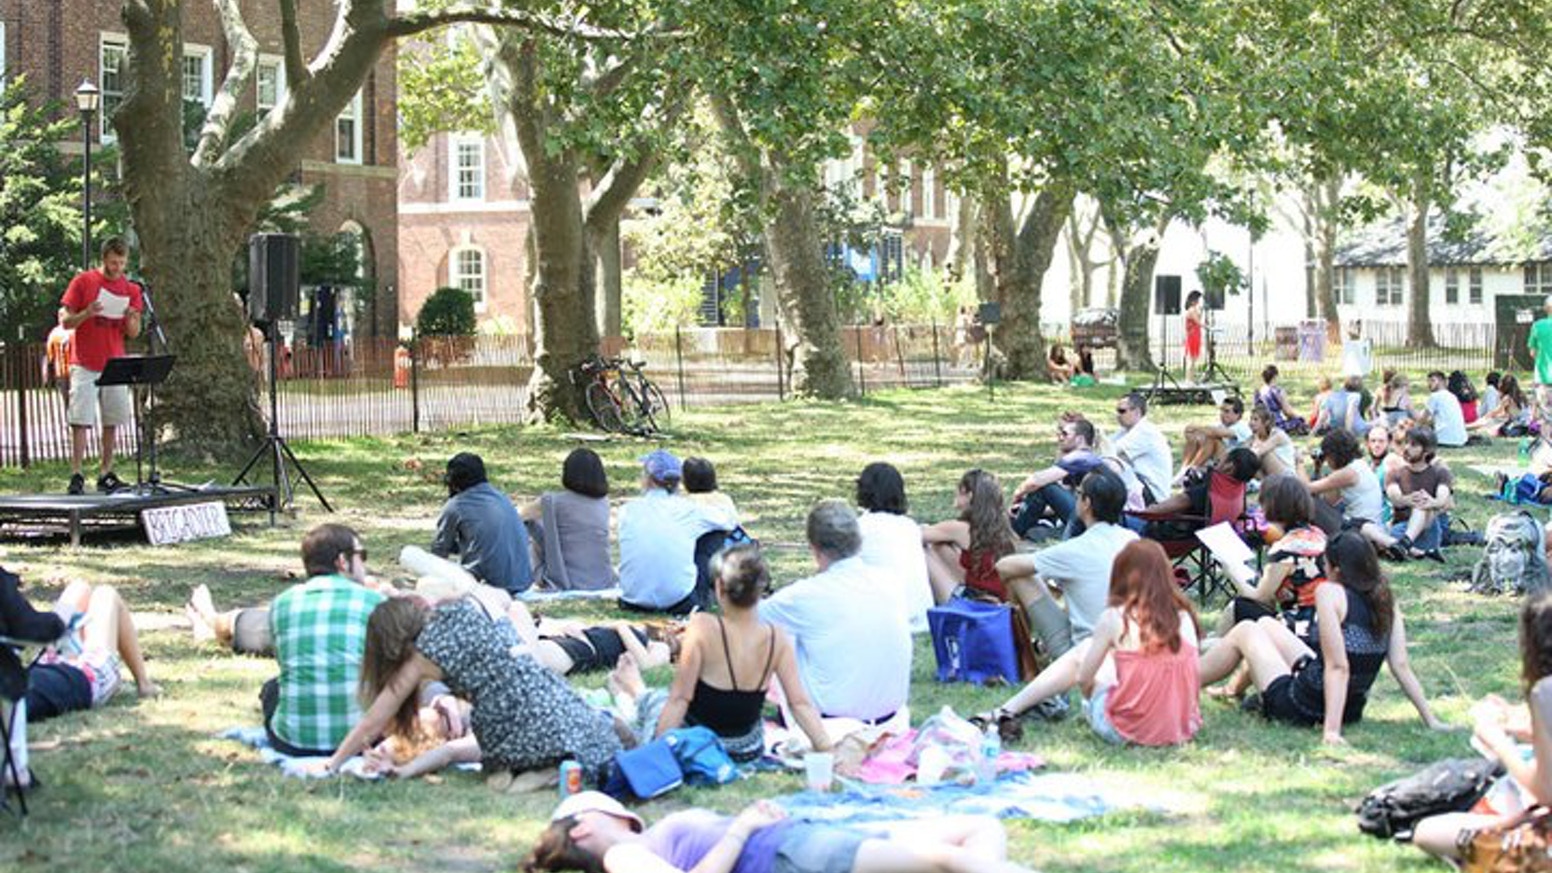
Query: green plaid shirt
{"x": 320, "y": 634}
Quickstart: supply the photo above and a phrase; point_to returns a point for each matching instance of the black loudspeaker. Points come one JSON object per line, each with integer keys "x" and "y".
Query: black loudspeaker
{"x": 1213, "y": 297}
{"x": 1166, "y": 295}
{"x": 274, "y": 276}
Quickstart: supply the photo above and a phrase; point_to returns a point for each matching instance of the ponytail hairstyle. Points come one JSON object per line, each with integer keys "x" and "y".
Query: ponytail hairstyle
{"x": 1143, "y": 589}
{"x": 986, "y": 513}
{"x": 1357, "y": 567}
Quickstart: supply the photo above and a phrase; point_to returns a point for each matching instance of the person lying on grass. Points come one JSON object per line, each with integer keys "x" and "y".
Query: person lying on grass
{"x": 525, "y": 717}
{"x": 1138, "y": 672}
{"x": 1324, "y": 678}
{"x": 1500, "y": 728}
{"x": 592, "y": 832}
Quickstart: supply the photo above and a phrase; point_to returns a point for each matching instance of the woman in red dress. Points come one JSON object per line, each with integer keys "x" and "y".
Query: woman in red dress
{"x": 1193, "y": 333}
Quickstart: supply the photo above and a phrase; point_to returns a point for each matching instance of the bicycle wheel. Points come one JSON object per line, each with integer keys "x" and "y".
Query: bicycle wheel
{"x": 605, "y": 408}
{"x": 632, "y": 412}
{"x": 654, "y": 404}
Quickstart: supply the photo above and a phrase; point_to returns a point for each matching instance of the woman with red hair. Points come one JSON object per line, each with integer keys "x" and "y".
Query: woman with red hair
{"x": 1138, "y": 672}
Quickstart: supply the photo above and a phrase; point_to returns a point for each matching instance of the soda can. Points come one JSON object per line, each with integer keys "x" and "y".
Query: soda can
{"x": 570, "y": 778}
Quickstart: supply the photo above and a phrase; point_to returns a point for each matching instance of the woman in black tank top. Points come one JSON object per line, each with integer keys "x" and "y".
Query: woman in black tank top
{"x": 751, "y": 652}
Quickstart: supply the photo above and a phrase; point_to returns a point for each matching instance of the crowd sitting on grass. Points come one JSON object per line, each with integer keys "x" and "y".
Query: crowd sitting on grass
{"x": 461, "y": 671}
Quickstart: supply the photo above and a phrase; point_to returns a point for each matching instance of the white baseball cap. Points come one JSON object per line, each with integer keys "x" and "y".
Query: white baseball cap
{"x": 596, "y": 801}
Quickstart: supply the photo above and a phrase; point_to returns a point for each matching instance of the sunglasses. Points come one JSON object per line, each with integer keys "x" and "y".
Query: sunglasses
{"x": 1122, "y": 410}
{"x": 361, "y": 552}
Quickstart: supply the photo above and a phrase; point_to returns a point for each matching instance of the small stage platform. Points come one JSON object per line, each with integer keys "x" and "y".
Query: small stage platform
{"x": 45, "y": 514}
{"x": 1193, "y": 392}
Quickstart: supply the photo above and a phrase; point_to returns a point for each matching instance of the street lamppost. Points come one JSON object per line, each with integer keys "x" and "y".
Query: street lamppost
{"x": 86, "y": 99}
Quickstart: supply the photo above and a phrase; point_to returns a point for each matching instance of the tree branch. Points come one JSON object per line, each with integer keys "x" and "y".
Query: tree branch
{"x": 411, "y": 23}
{"x": 744, "y": 152}
{"x": 291, "y": 35}
{"x": 245, "y": 52}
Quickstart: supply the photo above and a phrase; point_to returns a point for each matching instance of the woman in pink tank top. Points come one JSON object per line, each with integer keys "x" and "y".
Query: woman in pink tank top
{"x": 1138, "y": 672}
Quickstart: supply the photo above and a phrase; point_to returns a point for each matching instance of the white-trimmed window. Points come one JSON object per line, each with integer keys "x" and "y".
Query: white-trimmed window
{"x": 2, "y": 54}
{"x": 907, "y": 188}
{"x": 929, "y": 188}
{"x": 113, "y": 58}
{"x": 466, "y": 270}
{"x": 466, "y": 167}
{"x": 1538, "y": 278}
{"x": 1474, "y": 286}
{"x": 347, "y": 133}
{"x": 197, "y": 83}
{"x": 269, "y": 83}
{"x": 1451, "y": 286}
{"x": 1343, "y": 282}
{"x": 1389, "y": 286}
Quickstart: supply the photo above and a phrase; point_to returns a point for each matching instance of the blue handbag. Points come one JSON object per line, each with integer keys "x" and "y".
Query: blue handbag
{"x": 645, "y": 772}
{"x": 702, "y": 757}
{"x": 974, "y": 641}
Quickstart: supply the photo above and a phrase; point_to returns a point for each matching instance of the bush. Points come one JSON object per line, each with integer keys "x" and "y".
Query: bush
{"x": 447, "y": 312}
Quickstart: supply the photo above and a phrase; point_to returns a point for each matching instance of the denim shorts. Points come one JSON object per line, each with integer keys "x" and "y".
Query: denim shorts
{"x": 1431, "y": 537}
{"x": 808, "y": 847}
{"x": 1094, "y": 711}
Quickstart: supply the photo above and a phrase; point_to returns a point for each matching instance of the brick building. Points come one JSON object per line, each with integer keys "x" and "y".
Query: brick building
{"x": 56, "y": 44}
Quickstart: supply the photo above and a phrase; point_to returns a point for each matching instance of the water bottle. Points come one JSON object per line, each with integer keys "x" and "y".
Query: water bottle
{"x": 991, "y": 749}
{"x": 1524, "y": 451}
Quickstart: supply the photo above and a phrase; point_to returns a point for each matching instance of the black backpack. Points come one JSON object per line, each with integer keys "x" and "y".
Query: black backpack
{"x": 1447, "y": 786}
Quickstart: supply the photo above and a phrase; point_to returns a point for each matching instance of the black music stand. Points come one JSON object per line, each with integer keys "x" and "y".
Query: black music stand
{"x": 137, "y": 371}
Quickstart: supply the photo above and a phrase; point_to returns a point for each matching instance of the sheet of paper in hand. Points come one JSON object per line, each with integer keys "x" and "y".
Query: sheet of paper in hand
{"x": 113, "y": 305}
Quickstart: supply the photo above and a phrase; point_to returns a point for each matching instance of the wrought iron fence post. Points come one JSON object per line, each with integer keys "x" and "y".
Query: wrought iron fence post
{"x": 862, "y": 376}
{"x": 900, "y": 355}
{"x": 679, "y": 359}
{"x": 415, "y": 384}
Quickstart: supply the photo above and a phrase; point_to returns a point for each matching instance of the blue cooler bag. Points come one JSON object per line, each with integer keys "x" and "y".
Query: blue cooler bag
{"x": 974, "y": 642}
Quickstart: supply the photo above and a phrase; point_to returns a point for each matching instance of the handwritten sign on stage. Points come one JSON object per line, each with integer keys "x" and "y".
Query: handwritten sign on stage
{"x": 180, "y": 524}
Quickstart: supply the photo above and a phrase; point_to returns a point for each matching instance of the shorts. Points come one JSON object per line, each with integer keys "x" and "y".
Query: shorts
{"x": 1094, "y": 711}
{"x": 818, "y": 848}
{"x": 86, "y": 397}
{"x": 600, "y": 650}
{"x": 1277, "y": 702}
{"x": 251, "y": 634}
{"x": 101, "y": 669}
{"x": 1245, "y": 609}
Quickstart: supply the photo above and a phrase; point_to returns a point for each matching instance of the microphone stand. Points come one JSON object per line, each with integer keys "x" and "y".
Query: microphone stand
{"x": 154, "y": 334}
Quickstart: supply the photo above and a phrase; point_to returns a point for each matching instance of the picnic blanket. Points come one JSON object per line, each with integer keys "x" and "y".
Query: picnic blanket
{"x": 535, "y": 595}
{"x": 1054, "y": 797}
{"x": 254, "y": 737}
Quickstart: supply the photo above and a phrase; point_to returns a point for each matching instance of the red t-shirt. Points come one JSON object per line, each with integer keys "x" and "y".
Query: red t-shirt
{"x": 98, "y": 338}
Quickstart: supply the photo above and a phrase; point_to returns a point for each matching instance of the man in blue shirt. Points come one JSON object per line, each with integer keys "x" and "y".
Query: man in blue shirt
{"x": 658, "y": 533}
{"x": 481, "y": 526}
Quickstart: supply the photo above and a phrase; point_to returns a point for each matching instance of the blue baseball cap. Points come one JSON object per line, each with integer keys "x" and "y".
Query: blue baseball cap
{"x": 662, "y": 466}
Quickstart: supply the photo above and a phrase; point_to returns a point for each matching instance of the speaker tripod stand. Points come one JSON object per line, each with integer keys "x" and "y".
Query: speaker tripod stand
{"x": 285, "y": 469}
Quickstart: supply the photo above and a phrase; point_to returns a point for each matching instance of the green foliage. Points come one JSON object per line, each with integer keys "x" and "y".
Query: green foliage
{"x": 40, "y": 213}
{"x": 447, "y": 312}
{"x": 1219, "y": 275}
{"x": 659, "y": 305}
{"x": 442, "y": 88}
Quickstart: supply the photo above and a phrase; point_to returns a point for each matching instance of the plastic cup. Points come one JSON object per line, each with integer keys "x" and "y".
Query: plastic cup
{"x": 819, "y": 769}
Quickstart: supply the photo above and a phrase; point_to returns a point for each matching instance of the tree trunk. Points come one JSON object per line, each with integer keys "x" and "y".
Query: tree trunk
{"x": 795, "y": 252}
{"x": 1419, "y": 325}
{"x": 1018, "y": 261}
{"x": 961, "y": 239}
{"x": 1326, "y": 201}
{"x": 1138, "y": 259}
{"x": 609, "y": 280}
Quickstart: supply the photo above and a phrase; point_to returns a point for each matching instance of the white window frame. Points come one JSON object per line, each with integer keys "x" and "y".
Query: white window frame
{"x": 352, "y": 112}
{"x": 1342, "y": 290}
{"x": 907, "y": 201}
{"x": 1451, "y": 286}
{"x": 1474, "y": 286}
{"x": 278, "y": 64}
{"x": 457, "y": 191}
{"x": 2, "y": 55}
{"x": 1392, "y": 280}
{"x": 457, "y": 278}
{"x": 207, "y": 81}
{"x": 120, "y": 44}
{"x": 929, "y": 188}
{"x": 1537, "y": 278}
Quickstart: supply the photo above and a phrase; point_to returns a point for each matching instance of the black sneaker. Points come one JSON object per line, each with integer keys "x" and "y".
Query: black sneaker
{"x": 109, "y": 482}
{"x": 77, "y": 484}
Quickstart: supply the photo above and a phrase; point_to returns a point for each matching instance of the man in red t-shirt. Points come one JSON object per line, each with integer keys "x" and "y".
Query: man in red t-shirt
{"x": 102, "y": 307}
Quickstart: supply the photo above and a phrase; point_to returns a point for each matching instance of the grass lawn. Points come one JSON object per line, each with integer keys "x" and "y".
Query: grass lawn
{"x": 146, "y": 787}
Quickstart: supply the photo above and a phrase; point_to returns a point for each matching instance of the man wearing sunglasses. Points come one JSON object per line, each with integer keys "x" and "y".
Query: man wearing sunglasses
{"x": 319, "y": 632}
{"x": 1140, "y": 443}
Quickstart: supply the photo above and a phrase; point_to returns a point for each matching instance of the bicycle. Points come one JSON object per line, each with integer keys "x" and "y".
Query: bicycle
{"x": 620, "y": 397}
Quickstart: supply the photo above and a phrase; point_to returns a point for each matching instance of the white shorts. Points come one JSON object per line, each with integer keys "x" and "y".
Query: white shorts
{"x": 85, "y": 397}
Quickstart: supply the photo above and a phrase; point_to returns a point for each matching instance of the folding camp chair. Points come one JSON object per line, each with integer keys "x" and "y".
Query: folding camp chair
{"x": 14, "y": 667}
{"x": 1194, "y": 565}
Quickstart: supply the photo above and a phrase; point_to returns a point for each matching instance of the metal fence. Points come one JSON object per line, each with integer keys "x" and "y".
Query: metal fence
{"x": 377, "y": 388}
